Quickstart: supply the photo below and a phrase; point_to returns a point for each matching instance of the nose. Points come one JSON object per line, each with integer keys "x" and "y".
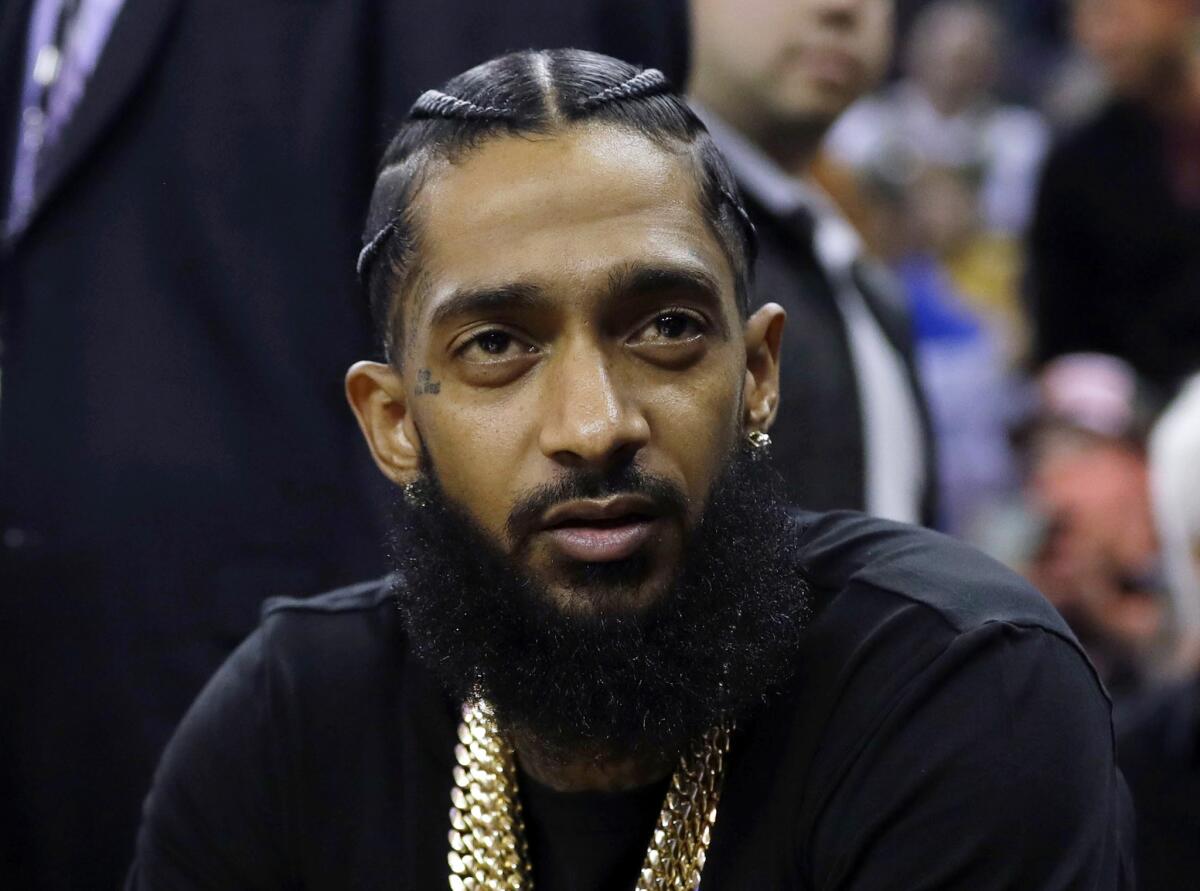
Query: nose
{"x": 589, "y": 421}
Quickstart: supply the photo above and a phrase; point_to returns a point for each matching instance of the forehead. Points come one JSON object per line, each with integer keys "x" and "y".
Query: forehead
{"x": 561, "y": 211}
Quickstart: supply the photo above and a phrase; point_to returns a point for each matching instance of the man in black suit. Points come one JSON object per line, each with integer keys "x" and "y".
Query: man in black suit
{"x": 769, "y": 80}
{"x": 178, "y": 310}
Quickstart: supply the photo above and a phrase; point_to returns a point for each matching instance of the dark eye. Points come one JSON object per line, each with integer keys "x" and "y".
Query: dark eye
{"x": 673, "y": 325}
{"x": 495, "y": 343}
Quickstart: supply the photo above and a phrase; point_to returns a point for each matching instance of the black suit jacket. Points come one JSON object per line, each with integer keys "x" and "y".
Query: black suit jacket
{"x": 817, "y": 441}
{"x": 177, "y": 319}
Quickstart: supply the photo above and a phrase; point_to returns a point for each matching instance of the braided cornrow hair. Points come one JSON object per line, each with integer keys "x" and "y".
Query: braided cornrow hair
{"x": 744, "y": 217}
{"x": 525, "y": 93}
{"x": 436, "y": 104}
{"x": 645, "y": 83}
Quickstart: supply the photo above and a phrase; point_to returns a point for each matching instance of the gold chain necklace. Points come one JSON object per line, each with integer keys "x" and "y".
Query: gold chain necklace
{"x": 488, "y": 849}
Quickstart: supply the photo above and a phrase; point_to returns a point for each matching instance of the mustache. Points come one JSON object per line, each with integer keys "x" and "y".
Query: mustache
{"x": 574, "y": 485}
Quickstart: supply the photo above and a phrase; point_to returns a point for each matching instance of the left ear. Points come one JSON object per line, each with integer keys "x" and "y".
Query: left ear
{"x": 760, "y": 394}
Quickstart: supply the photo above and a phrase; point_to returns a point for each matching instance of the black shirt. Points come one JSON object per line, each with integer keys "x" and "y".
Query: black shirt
{"x": 588, "y": 841}
{"x": 942, "y": 730}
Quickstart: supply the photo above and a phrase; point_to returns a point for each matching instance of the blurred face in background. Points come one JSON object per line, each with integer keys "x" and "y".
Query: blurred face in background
{"x": 772, "y": 68}
{"x": 1095, "y": 564}
{"x": 953, "y": 52}
{"x": 1141, "y": 44}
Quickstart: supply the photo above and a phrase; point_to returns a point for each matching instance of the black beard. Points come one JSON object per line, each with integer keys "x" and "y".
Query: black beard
{"x": 712, "y": 647}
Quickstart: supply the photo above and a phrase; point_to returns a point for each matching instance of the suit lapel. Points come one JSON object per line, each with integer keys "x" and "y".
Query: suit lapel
{"x": 132, "y": 45}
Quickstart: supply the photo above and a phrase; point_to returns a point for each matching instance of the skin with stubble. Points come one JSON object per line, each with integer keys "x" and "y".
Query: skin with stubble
{"x": 782, "y": 72}
{"x": 572, "y": 318}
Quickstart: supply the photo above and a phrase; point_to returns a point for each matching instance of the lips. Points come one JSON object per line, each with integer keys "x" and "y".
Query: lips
{"x": 602, "y": 531}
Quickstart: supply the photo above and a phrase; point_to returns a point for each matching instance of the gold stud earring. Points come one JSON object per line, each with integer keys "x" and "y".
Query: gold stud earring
{"x": 758, "y": 439}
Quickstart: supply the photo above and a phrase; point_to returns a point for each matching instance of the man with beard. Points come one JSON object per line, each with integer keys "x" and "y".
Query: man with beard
{"x": 610, "y": 656}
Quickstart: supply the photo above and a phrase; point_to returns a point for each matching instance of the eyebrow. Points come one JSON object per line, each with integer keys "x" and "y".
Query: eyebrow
{"x": 488, "y": 299}
{"x": 638, "y": 279}
{"x": 627, "y": 282}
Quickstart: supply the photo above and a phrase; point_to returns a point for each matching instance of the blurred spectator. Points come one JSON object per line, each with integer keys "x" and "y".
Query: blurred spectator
{"x": 945, "y": 113}
{"x": 183, "y": 186}
{"x": 949, "y": 171}
{"x": 960, "y": 283}
{"x": 769, "y": 78}
{"x": 1115, "y": 246}
{"x": 1159, "y": 744}
{"x": 1097, "y": 555}
{"x": 983, "y": 266}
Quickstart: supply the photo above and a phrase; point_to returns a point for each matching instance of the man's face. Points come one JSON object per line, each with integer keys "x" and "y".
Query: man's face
{"x": 1136, "y": 41}
{"x": 572, "y": 318}
{"x": 953, "y": 55}
{"x": 788, "y": 63}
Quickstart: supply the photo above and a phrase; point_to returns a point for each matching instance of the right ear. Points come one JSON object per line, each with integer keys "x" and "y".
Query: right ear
{"x": 376, "y": 393}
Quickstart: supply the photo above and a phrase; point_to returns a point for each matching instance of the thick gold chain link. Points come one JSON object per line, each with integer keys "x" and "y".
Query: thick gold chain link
{"x": 488, "y": 849}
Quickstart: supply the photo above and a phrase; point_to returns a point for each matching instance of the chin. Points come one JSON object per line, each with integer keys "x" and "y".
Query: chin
{"x": 623, "y": 588}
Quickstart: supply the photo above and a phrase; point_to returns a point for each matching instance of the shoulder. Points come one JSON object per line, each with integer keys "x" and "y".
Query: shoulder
{"x": 354, "y": 614}
{"x": 936, "y": 685}
{"x": 299, "y": 643}
{"x": 350, "y": 600}
{"x": 340, "y": 648}
{"x": 961, "y": 586}
{"x": 901, "y": 610}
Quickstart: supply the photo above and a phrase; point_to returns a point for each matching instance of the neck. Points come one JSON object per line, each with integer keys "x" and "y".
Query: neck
{"x": 589, "y": 772}
{"x": 792, "y": 144}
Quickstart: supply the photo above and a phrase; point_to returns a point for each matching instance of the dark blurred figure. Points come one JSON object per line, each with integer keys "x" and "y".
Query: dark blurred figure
{"x": 1096, "y": 557}
{"x": 770, "y": 78}
{"x": 183, "y": 186}
{"x": 1115, "y": 246}
{"x": 1159, "y": 740}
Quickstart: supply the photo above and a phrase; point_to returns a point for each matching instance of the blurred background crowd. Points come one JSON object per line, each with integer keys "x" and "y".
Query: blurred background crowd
{"x": 991, "y": 263}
